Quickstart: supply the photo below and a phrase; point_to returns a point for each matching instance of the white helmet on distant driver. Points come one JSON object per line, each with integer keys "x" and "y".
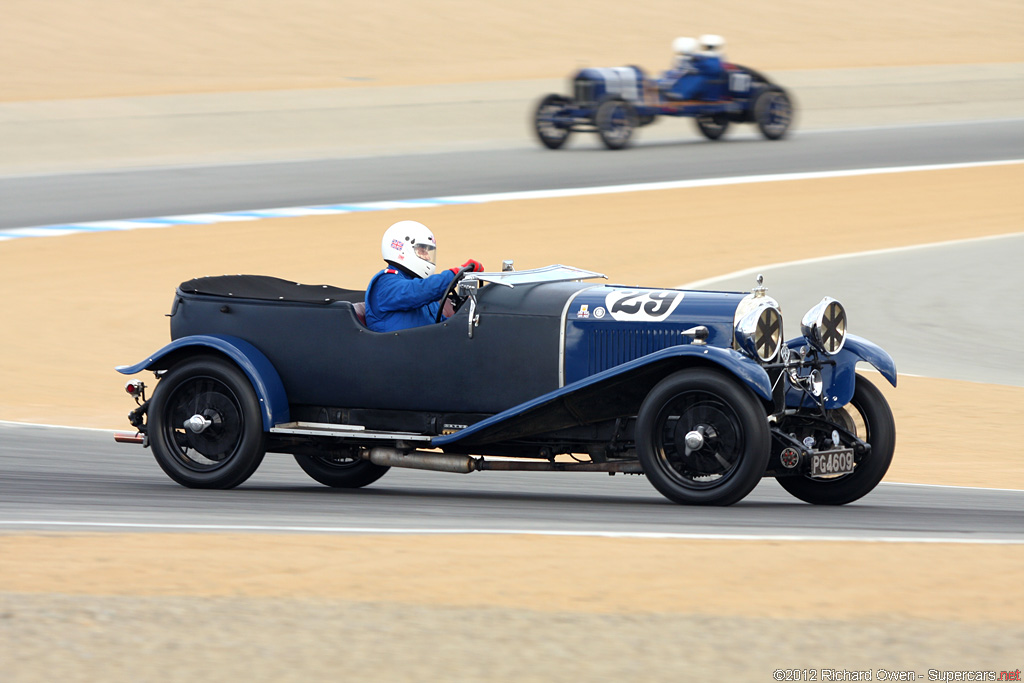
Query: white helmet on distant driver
{"x": 684, "y": 46}
{"x": 411, "y": 245}
{"x": 712, "y": 42}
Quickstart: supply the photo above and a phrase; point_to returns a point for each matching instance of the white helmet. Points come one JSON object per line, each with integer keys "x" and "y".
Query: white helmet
{"x": 684, "y": 46}
{"x": 410, "y": 245}
{"x": 712, "y": 42}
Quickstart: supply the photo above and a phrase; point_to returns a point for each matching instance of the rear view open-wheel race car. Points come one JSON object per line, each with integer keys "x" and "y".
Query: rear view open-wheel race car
{"x": 537, "y": 370}
{"x": 613, "y": 102}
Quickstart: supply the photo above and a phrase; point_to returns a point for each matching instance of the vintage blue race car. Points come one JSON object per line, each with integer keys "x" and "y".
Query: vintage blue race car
{"x": 698, "y": 390}
{"x": 614, "y": 101}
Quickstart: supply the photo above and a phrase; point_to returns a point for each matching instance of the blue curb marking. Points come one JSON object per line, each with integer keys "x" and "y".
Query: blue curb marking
{"x": 390, "y": 205}
{"x": 221, "y": 217}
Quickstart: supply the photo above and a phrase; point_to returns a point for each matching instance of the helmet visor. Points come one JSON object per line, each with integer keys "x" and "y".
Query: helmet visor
{"x": 427, "y": 252}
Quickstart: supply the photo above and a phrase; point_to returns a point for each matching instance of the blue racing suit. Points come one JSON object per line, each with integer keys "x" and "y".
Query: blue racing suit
{"x": 698, "y": 80}
{"x": 396, "y": 300}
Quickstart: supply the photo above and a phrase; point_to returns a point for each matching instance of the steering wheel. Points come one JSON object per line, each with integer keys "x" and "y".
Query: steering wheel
{"x": 449, "y": 293}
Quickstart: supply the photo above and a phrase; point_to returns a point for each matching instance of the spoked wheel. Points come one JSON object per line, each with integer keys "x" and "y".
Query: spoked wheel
{"x": 702, "y": 438}
{"x": 773, "y": 112}
{"x": 869, "y": 417}
{"x": 205, "y": 425}
{"x": 713, "y": 126}
{"x": 615, "y": 121}
{"x": 342, "y": 469}
{"x": 548, "y": 131}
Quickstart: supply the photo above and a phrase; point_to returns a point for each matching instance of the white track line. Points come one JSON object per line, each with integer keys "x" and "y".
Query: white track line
{"x": 839, "y": 257}
{"x": 294, "y": 211}
{"x": 649, "y": 535}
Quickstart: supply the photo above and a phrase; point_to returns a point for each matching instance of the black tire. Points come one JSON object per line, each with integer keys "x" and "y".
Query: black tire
{"x": 615, "y": 121}
{"x": 713, "y": 126}
{"x": 773, "y": 112}
{"x": 869, "y": 416}
{"x": 342, "y": 470}
{"x": 227, "y": 452}
{"x": 550, "y": 135}
{"x": 736, "y": 438}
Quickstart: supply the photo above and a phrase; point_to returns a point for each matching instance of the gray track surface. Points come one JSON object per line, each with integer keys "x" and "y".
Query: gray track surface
{"x": 69, "y": 475}
{"x": 57, "y": 199}
{"x": 939, "y": 311}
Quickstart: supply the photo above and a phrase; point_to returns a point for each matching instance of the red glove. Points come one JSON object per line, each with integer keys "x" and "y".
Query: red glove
{"x": 471, "y": 265}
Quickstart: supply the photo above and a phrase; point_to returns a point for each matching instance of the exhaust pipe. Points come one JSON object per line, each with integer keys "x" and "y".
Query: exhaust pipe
{"x": 464, "y": 464}
{"x": 124, "y": 437}
{"x": 421, "y": 460}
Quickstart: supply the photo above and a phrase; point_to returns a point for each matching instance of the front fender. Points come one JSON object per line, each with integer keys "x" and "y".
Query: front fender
{"x": 265, "y": 380}
{"x": 870, "y": 352}
{"x": 840, "y": 379}
{"x": 605, "y": 395}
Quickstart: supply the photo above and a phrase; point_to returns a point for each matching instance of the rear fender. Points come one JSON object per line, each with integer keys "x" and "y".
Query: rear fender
{"x": 265, "y": 380}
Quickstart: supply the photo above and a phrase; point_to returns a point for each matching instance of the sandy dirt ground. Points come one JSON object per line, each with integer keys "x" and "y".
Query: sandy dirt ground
{"x": 104, "y": 48}
{"x": 172, "y": 607}
{"x": 266, "y": 608}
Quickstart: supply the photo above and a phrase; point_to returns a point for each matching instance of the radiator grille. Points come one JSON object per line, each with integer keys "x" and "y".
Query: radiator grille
{"x": 584, "y": 91}
{"x": 611, "y": 347}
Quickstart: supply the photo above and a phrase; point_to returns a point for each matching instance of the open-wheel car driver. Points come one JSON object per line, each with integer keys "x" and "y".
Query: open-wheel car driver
{"x": 408, "y": 293}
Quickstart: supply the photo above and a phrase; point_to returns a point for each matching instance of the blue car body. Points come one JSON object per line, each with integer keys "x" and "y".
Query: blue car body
{"x": 532, "y": 365}
{"x": 612, "y": 101}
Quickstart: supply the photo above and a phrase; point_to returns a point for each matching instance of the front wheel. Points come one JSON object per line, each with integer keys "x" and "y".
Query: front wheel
{"x": 713, "y": 126}
{"x": 549, "y": 132}
{"x": 342, "y": 470}
{"x": 615, "y": 121}
{"x": 206, "y": 427}
{"x": 869, "y": 417}
{"x": 702, "y": 439}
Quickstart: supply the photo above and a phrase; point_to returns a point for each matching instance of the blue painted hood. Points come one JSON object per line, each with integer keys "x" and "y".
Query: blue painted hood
{"x": 608, "y": 325}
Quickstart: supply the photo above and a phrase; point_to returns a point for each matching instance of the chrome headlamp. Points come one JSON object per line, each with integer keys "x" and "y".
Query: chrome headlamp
{"x": 758, "y": 324}
{"x": 825, "y": 326}
{"x": 759, "y": 331}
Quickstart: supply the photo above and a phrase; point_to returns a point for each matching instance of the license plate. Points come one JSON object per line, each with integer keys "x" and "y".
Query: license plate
{"x": 832, "y": 463}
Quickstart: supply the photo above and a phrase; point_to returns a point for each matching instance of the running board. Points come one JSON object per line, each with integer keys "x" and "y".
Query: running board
{"x": 345, "y": 432}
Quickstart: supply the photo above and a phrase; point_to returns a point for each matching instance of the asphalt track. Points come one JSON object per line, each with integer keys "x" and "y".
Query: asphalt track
{"x": 940, "y": 310}
{"x": 60, "y": 479}
{"x": 34, "y": 200}
{"x": 72, "y": 479}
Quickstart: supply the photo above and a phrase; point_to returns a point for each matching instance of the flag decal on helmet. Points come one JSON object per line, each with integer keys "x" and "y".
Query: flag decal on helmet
{"x": 397, "y": 244}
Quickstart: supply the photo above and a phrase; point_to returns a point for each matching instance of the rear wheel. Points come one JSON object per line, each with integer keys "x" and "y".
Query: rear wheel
{"x": 869, "y": 417}
{"x": 206, "y": 427}
{"x": 702, "y": 439}
{"x": 773, "y": 112}
{"x": 342, "y": 469}
{"x": 549, "y": 132}
{"x": 615, "y": 121}
{"x": 713, "y": 126}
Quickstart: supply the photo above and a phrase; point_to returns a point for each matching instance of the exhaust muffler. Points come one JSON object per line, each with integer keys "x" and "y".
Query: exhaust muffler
{"x": 421, "y": 460}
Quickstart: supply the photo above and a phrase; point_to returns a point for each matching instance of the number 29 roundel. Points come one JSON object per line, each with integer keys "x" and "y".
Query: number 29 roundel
{"x": 649, "y": 305}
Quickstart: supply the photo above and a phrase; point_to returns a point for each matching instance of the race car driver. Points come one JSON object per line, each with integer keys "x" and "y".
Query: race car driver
{"x": 407, "y": 293}
{"x": 694, "y": 76}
